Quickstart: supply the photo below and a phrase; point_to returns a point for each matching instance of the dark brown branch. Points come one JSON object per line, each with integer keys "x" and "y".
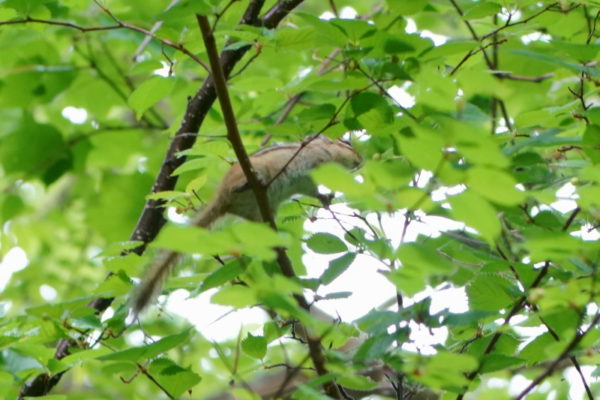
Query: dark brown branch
{"x": 258, "y": 187}
{"x": 233, "y": 133}
{"x": 334, "y": 9}
{"x": 571, "y": 219}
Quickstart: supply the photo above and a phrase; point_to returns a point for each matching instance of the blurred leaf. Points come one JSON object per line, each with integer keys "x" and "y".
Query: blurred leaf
{"x": 254, "y": 346}
{"x": 491, "y": 292}
{"x": 136, "y": 354}
{"x": 476, "y": 212}
{"x": 338, "y": 178}
{"x": 326, "y": 243}
{"x": 32, "y": 149}
{"x": 435, "y": 372}
{"x": 235, "y": 295}
{"x": 495, "y": 185}
{"x": 337, "y": 267}
{"x": 222, "y": 275}
{"x": 483, "y": 9}
{"x": 175, "y": 379}
{"x": 419, "y": 263}
{"x": 149, "y": 93}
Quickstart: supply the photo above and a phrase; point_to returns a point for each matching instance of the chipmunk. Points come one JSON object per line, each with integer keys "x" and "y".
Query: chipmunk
{"x": 283, "y": 168}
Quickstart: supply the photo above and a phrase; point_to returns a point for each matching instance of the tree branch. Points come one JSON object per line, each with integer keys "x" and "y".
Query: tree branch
{"x": 508, "y": 24}
{"x": 259, "y": 188}
{"x": 566, "y": 353}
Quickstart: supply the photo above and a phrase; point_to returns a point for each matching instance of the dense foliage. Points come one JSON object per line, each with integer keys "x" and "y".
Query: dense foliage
{"x": 484, "y": 114}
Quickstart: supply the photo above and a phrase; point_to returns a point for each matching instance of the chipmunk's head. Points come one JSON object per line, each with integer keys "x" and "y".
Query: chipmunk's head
{"x": 341, "y": 151}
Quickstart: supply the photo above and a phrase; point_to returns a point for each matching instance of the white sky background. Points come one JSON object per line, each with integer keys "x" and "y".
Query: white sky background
{"x": 370, "y": 289}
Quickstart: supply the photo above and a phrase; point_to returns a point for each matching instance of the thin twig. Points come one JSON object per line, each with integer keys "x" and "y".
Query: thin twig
{"x": 115, "y": 87}
{"x": 332, "y": 121}
{"x": 154, "y": 28}
{"x": 334, "y": 9}
{"x": 471, "y": 53}
{"x": 386, "y": 93}
{"x": 566, "y": 353}
{"x": 246, "y": 65}
{"x": 508, "y": 24}
{"x": 220, "y": 13}
{"x": 491, "y": 65}
{"x": 176, "y": 46}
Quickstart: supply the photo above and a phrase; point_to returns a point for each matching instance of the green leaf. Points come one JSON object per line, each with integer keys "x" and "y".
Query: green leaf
{"x": 374, "y": 347}
{"x": 175, "y": 379}
{"x": 406, "y": 7}
{"x": 419, "y": 263}
{"x": 136, "y": 354}
{"x": 394, "y": 46}
{"x": 235, "y": 296}
{"x": 257, "y": 83}
{"x": 491, "y": 292}
{"x": 337, "y": 267}
{"x": 589, "y": 197}
{"x": 483, "y": 9}
{"x": 190, "y": 239}
{"x": 591, "y": 141}
{"x": 258, "y": 240}
{"x": 186, "y": 9}
{"x": 437, "y": 374}
{"x": 222, "y": 275}
{"x": 498, "y": 362}
{"x": 31, "y": 149}
{"x": 338, "y": 178}
{"x": 272, "y": 331}
{"x": 326, "y": 243}
{"x": 544, "y": 245}
{"x": 594, "y": 72}
{"x": 255, "y": 346}
{"x": 10, "y": 206}
{"x": 535, "y": 351}
{"x": 321, "y": 111}
{"x": 87, "y": 322}
{"x": 477, "y": 213}
{"x": 495, "y": 185}
{"x": 149, "y": 93}
{"x": 294, "y": 39}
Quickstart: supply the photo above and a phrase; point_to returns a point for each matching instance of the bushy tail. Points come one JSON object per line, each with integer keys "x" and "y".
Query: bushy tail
{"x": 156, "y": 275}
{"x": 153, "y": 280}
